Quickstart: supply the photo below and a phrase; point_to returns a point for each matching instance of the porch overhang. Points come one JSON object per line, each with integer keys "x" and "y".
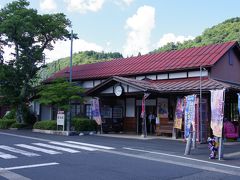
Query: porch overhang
{"x": 169, "y": 86}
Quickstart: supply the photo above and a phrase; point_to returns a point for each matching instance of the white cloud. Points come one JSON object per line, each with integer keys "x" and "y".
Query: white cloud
{"x": 82, "y": 6}
{"x": 122, "y": 3}
{"x": 62, "y": 49}
{"x": 170, "y": 37}
{"x": 48, "y": 5}
{"x": 140, "y": 26}
{"x": 127, "y": 2}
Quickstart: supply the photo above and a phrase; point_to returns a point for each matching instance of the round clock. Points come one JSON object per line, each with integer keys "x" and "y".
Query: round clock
{"x": 118, "y": 90}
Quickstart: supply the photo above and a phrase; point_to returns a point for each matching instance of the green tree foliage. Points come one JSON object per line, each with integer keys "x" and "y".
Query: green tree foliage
{"x": 228, "y": 30}
{"x": 59, "y": 93}
{"x": 85, "y": 57}
{"x": 29, "y": 34}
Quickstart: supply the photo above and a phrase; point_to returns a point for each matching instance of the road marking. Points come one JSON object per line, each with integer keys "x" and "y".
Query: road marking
{"x": 47, "y": 151}
{"x": 31, "y": 166}
{"x": 73, "y": 146}
{"x": 176, "y": 156}
{"x": 91, "y": 145}
{"x": 6, "y": 156}
{"x": 11, "y": 175}
{"x": 26, "y": 137}
{"x": 56, "y": 147}
{"x": 179, "y": 163}
{"x": 232, "y": 154}
{"x": 18, "y": 151}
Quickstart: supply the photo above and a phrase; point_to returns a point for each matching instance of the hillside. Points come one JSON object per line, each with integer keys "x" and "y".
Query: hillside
{"x": 85, "y": 57}
{"x": 228, "y": 30}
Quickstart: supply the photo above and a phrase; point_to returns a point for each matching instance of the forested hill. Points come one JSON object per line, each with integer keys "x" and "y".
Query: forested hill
{"x": 228, "y": 30}
{"x": 85, "y": 57}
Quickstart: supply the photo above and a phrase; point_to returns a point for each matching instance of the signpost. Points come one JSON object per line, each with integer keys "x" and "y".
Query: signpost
{"x": 60, "y": 119}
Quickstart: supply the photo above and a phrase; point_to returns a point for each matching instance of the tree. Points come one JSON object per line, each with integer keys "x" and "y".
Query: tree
{"x": 29, "y": 34}
{"x": 59, "y": 93}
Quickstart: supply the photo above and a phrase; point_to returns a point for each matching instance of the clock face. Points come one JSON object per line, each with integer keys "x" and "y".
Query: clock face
{"x": 118, "y": 90}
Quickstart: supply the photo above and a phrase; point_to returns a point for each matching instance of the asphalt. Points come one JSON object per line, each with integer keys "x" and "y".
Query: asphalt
{"x": 231, "y": 150}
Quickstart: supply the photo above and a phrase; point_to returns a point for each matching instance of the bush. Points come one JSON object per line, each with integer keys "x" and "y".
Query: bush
{"x": 6, "y": 123}
{"x": 19, "y": 125}
{"x": 10, "y": 115}
{"x": 46, "y": 125}
{"x": 84, "y": 124}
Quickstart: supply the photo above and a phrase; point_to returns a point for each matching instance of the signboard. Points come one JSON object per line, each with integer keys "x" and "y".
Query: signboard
{"x": 217, "y": 106}
{"x": 178, "y": 114}
{"x": 60, "y": 119}
{"x": 162, "y": 104}
{"x": 189, "y": 114}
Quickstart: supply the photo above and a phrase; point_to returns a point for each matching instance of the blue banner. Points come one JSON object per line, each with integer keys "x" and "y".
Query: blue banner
{"x": 189, "y": 114}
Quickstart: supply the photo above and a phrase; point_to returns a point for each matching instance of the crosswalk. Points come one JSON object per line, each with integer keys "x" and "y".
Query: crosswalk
{"x": 51, "y": 148}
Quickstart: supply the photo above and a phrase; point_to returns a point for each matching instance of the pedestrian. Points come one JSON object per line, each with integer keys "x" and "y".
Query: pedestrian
{"x": 212, "y": 145}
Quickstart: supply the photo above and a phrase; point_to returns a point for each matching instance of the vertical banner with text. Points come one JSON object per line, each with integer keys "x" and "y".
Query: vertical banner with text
{"x": 96, "y": 111}
{"x": 178, "y": 114}
{"x": 145, "y": 96}
{"x": 239, "y": 103}
{"x": 217, "y": 107}
{"x": 189, "y": 114}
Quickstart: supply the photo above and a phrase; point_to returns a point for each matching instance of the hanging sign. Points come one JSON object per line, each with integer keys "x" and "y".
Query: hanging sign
{"x": 178, "y": 114}
{"x": 96, "y": 111}
{"x": 189, "y": 114}
{"x": 163, "y": 107}
{"x": 217, "y": 107}
{"x": 145, "y": 96}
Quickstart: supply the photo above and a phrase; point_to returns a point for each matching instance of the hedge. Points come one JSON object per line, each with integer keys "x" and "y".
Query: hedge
{"x": 19, "y": 125}
{"x": 46, "y": 125}
{"x": 84, "y": 124}
{"x": 6, "y": 123}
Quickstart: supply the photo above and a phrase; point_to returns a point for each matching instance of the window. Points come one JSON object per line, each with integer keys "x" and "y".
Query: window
{"x": 88, "y": 110}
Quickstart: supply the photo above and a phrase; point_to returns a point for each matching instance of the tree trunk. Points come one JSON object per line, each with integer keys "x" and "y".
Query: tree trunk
{"x": 19, "y": 113}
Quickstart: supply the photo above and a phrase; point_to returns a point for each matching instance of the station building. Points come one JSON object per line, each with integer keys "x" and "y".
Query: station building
{"x": 120, "y": 85}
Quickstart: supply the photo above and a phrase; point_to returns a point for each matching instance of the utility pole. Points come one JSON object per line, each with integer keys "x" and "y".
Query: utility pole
{"x": 69, "y": 117}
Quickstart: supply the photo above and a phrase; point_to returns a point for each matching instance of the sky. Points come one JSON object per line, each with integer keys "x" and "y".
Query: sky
{"x": 133, "y": 26}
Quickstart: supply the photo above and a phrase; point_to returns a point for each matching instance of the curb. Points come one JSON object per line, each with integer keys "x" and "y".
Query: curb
{"x": 63, "y": 133}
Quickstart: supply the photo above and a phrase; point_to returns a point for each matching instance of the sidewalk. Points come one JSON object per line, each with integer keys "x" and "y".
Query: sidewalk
{"x": 231, "y": 150}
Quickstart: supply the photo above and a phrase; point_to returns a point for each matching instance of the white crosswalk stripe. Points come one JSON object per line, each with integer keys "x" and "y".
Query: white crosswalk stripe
{"x": 18, "y": 151}
{"x": 73, "y": 146}
{"x": 51, "y": 147}
{"x": 91, "y": 145}
{"x": 47, "y": 151}
{"x": 6, "y": 156}
{"x": 56, "y": 147}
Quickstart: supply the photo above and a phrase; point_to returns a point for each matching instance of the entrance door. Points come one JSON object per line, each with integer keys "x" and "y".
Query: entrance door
{"x": 149, "y": 109}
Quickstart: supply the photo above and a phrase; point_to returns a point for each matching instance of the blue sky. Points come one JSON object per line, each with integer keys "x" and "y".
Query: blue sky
{"x": 132, "y": 26}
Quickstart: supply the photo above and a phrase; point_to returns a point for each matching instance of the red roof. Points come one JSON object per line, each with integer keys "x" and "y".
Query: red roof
{"x": 167, "y": 86}
{"x": 151, "y": 63}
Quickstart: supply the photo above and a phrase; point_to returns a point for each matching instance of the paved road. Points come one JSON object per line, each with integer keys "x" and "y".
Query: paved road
{"x": 26, "y": 155}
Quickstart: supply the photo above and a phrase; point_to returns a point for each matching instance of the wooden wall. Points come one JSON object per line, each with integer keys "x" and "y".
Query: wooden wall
{"x": 129, "y": 124}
